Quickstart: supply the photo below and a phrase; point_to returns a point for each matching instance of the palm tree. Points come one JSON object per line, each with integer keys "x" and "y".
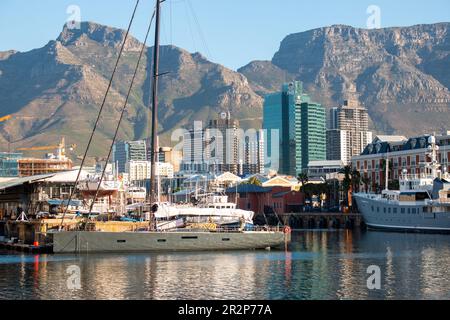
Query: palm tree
{"x": 356, "y": 180}
{"x": 366, "y": 181}
{"x": 347, "y": 182}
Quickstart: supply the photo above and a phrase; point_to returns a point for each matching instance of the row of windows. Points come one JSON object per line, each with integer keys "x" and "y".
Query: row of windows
{"x": 395, "y": 210}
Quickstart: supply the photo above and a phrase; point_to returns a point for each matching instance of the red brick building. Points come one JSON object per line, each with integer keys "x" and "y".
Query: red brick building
{"x": 267, "y": 199}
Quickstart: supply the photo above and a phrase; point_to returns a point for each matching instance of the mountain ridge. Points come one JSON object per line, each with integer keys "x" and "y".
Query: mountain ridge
{"x": 399, "y": 74}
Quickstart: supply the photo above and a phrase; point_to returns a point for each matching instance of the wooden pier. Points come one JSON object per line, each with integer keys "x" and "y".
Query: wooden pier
{"x": 26, "y": 248}
{"x": 322, "y": 220}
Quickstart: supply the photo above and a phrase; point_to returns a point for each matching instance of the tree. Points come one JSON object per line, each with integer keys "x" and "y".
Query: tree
{"x": 254, "y": 181}
{"x": 312, "y": 189}
{"x": 303, "y": 179}
{"x": 347, "y": 182}
{"x": 355, "y": 180}
{"x": 366, "y": 182}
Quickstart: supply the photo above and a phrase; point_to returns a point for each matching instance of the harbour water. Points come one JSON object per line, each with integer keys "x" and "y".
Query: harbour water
{"x": 318, "y": 265}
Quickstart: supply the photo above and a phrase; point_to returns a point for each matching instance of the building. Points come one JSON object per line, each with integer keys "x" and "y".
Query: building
{"x": 311, "y": 142}
{"x": 38, "y": 193}
{"x": 171, "y": 156}
{"x": 336, "y": 145}
{"x": 165, "y": 170}
{"x": 266, "y": 200}
{"x": 295, "y": 130}
{"x": 32, "y": 167}
{"x": 324, "y": 169}
{"x": 402, "y": 154}
{"x": 349, "y": 131}
{"x": 138, "y": 170}
{"x": 125, "y": 151}
{"x": 194, "y": 150}
{"x": 9, "y": 164}
{"x": 253, "y": 154}
{"x": 224, "y": 144}
{"x": 222, "y": 147}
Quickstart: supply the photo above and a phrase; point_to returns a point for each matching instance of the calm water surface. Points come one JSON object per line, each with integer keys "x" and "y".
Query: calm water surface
{"x": 318, "y": 265}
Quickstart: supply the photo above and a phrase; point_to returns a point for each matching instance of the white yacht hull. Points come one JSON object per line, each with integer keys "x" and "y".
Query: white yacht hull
{"x": 89, "y": 242}
{"x": 379, "y": 214}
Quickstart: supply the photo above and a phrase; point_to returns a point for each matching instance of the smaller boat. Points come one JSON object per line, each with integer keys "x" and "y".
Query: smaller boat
{"x": 108, "y": 186}
{"x": 212, "y": 213}
{"x": 136, "y": 194}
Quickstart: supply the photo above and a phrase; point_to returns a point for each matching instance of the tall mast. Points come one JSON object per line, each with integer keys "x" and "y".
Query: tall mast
{"x": 154, "y": 151}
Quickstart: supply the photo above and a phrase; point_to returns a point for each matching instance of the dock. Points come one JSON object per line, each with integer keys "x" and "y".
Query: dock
{"x": 322, "y": 220}
{"x": 20, "y": 247}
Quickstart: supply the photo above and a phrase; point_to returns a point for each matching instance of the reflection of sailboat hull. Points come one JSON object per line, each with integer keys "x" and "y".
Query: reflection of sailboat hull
{"x": 73, "y": 242}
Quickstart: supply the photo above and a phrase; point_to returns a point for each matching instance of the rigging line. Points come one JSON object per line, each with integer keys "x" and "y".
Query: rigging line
{"x": 99, "y": 114}
{"x": 200, "y": 30}
{"x": 188, "y": 19}
{"x": 122, "y": 113}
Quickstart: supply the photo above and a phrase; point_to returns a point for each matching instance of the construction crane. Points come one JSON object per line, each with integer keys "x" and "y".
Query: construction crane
{"x": 61, "y": 148}
{"x": 5, "y": 118}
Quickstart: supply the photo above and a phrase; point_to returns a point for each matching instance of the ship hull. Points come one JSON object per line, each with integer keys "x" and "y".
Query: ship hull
{"x": 115, "y": 242}
{"x": 382, "y": 215}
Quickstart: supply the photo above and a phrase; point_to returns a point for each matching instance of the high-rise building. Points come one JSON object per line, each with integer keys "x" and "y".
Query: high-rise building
{"x": 349, "y": 131}
{"x": 126, "y": 151}
{"x": 300, "y": 126}
{"x": 310, "y": 136}
{"x": 218, "y": 148}
{"x": 253, "y": 161}
{"x": 223, "y": 138}
{"x": 194, "y": 145}
{"x": 336, "y": 142}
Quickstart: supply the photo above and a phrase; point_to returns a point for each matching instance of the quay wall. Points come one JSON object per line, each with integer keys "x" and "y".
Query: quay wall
{"x": 311, "y": 220}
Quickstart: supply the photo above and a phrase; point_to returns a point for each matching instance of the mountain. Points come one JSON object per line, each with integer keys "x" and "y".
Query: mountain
{"x": 400, "y": 74}
{"x": 58, "y": 89}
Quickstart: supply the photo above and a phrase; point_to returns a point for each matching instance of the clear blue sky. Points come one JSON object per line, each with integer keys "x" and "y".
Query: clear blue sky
{"x": 231, "y": 32}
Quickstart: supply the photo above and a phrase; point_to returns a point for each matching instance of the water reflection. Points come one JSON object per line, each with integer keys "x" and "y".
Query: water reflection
{"x": 318, "y": 265}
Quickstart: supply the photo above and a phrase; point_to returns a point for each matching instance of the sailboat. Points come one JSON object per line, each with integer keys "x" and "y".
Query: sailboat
{"x": 174, "y": 236}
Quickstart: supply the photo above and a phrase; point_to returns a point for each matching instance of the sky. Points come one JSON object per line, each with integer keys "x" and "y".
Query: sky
{"x": 230, "y": 32}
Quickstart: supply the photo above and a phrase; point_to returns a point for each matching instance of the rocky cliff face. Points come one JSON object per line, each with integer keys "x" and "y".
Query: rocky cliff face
{"x": 57, "y": 90}
{"x": 399, "y": 74}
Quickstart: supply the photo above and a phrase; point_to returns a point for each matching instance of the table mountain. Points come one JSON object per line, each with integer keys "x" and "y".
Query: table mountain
{"x": 400, "y": 74}
{"x": 57, "y": 90}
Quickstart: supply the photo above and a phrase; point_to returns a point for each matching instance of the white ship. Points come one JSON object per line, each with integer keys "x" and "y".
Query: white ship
{"x": 421, "y": 204}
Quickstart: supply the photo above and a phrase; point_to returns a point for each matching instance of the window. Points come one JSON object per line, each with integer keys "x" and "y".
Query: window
{"x": 403, "y": 210}
{"x": 395, "y": 210}
{"x": 389, "y": 210}
{"x": 409, "y": 211}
